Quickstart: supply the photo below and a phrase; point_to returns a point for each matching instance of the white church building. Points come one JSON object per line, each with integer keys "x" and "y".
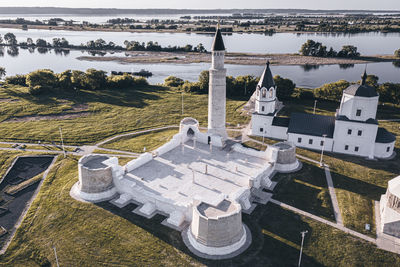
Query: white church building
{"x": 353, "y": 130}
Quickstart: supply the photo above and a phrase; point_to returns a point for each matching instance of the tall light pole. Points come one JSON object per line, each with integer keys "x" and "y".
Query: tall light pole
{"x": 62, "y": 141}
{"x": 315, "y": 105}
{"x": 303, "y": 234}
{"x": 322, "y": 151}
{"x": 55, "y": 253}
{"x": 182, "y": 101}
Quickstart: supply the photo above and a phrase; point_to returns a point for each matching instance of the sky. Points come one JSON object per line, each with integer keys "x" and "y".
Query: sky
{"x": 211, "y": 4}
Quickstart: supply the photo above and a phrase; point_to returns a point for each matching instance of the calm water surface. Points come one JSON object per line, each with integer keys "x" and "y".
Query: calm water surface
{"x": 367, "y": 43}
{"x": 24, "y": 62}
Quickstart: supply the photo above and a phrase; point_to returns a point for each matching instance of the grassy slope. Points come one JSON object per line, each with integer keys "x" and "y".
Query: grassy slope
{"x": 113, "y": 112}
{"x": 306, "y": 189}
{"x": 136, "y": 143}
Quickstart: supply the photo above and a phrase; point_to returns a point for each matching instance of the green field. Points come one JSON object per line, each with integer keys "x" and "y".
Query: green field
{"x": 137, "y": 143}
{"x": 103, "y": 235}
{"x": 111, "y": 112}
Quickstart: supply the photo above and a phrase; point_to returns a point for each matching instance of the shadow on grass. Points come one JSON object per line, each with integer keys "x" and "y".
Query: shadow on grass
{"x": 306, "y": 190}
{"x": 128, "y": 97}
{"x": 357, "y": 186}
{"x": 391, "y": 165}
{"x": 264, "y": 250}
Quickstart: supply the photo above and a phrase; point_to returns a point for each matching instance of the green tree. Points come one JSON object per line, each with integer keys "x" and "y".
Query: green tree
{"x": 95, "y": 79}
{"x": 41, "y": 43}
{"x": 204, "y": 79}
{"x": 397, "y": 53}
{"x": 372, "y": 80}
{"x": 10, "y": 38}
{"x": 389, "y": 92}
{"x": 40, "y": 81}
{"x": 2, "y": 72}
{"x": 77, "y": 79}
{"x": 65, "y": 80}
{"x": 285, "y": 87}
{"x": 331, "y": 91}
{"x": 173, "y": 81}
{"x": 348, "y": 51}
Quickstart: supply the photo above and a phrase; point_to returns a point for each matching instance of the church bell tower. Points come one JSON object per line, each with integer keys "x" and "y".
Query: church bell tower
{"x": 217, "y": 89}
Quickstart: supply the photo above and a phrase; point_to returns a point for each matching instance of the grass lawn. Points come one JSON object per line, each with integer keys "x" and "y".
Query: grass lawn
{"x": 136, "y": 143}
{"x": 94, "y": 235}
{"x": 111, "y": 112}
{"x": 306, "y": 190}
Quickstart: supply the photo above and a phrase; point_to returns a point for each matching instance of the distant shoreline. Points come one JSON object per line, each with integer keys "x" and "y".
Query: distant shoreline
{"x": 150, "y": 57}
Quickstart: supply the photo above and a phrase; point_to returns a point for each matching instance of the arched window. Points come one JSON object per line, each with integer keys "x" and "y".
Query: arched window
{"x": 264, "y": 92}
{"x": 271, "y": 93}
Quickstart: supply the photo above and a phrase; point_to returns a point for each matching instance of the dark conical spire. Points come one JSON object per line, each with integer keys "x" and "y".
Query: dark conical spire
{"x": 218, "y": 44}
{"x": 364, "y": 77}
{"x": 266, "y": 79}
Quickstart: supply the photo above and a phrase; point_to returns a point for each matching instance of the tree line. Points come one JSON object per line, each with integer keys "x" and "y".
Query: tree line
{"x": 240, "y": 86}
{"x": 317, "y": 49}
{"x": 46, "y": 81}
{"x": 61, "y": 43}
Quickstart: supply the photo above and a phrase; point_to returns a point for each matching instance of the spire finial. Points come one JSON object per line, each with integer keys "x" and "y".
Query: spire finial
{"x": 364, "y": 76}
{"x": 219, "y": 23}
{"x": 268, "y": 63}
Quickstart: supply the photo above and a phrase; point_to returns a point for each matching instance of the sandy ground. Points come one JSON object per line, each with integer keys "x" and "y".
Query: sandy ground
{"x": 231, "y": 58}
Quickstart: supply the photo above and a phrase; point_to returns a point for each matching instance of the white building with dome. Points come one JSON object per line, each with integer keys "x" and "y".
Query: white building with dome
{"x": 353, "y": 130}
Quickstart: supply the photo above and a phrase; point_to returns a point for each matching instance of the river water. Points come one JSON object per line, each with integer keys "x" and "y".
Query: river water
{"x": 367, "y": 43}
{"x": 24, "y": 62}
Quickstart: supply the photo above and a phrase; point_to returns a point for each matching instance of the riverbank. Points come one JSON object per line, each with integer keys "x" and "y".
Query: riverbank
{"x": 232, "y": 58}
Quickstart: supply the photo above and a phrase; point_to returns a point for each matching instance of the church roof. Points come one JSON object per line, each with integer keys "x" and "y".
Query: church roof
{"x": 266, "y": 79}
{"x": 280, "y": 121}
{"x": 384, "y": 137}
{"x": 362, "y": 89}
{"x": 218, "y": 44}
{"x": 311, "y": 124}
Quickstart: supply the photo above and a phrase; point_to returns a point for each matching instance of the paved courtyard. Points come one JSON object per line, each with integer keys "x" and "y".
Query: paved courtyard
{"x": 197, "y": 172}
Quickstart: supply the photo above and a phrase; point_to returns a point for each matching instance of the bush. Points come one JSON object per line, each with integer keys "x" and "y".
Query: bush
{"x": 173, "y": 81}
{"x": 306, "y": 94}
{"x": 331, "y": 91}
{"x": 120, "y": 81}
{"x": 94, "y": 79}
{"x": 389, "y": 92}
{"x": 397, "y": 53}
{"x": 38, "y": 90}
{"x": 43, "y": 78}
{"x": 16, "y": 80}
{"x": 285, "y": 87}
{"x": 140, "y": 81}
{"x": 189, "y": 87}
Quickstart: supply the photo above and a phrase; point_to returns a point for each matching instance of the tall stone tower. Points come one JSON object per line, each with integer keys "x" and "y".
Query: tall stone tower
{"x": 217, "y": 89}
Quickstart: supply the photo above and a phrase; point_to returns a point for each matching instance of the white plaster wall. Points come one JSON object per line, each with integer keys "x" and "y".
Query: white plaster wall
{"x": 261, "y": 121}
{"x": 249, "y": 151}
{"x": 381, "y": 150}
{"x": 140, "y": 161}
{"x": 350, "y": 104}
{"x": 316, "y": 145}
{"x": 278, "y": 132}
{"x": 176, "y": 141}
{"x": 365, "y": 142}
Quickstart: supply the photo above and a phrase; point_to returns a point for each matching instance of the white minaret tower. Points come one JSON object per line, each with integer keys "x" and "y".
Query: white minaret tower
{"x": 217, "y": 89}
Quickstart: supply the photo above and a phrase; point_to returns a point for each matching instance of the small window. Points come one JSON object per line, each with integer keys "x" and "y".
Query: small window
{"x": 346, "y": 147}
{"x": 261, "y": 130}
{"x": 359, "y": 132}
{"x": 388, "y": 149}
{"x": 310, "y": 141}
{"x": 349, "y": 131}
{"x": 262, "y": 108}
{"x": 299, "y": 140}
{"x": 322, "y": 143}
{"x": 358, "y": 112}
{"x": 264, "y": 93}
{"x": 356, "y": 149}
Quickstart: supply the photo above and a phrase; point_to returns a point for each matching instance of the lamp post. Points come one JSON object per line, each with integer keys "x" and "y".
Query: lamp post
{"x": 62, "y": 141}
{"x": 182, "y": 102}
{"x": 315, "y": 105}
{"x": 322, "y": 151}
{"x": 303, "y": 234}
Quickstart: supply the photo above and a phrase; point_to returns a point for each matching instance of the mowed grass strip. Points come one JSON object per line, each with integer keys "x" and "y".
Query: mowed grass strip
{"x": 137, "y": 143}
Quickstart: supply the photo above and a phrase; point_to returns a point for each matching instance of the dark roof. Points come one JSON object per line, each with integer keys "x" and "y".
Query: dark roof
{"x": 281, "y": 121}
{"x": 218, "y": 44}
{"x": 362, "y": 89}
{"x": 384, "y": 137}
{"x": 310, "y": 124}
{"x": 345, "y": 118}
{"x": 266, "y": 79}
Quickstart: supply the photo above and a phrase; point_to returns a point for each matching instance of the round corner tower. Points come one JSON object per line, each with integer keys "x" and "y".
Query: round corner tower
{"x": 217, "y": 88}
